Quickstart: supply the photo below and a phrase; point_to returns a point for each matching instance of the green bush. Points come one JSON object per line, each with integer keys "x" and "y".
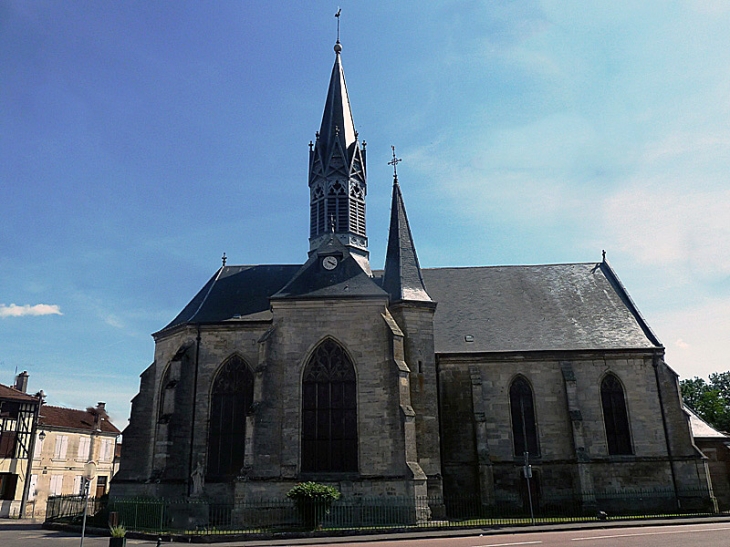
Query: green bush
{"x": 313, "y": 502}
{"x": 314, "y": 491}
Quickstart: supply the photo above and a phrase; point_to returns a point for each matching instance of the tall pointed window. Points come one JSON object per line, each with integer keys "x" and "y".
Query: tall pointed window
{"x": 615, "y": 417}
{"x": 329, "y": 411}
{"x": 231, "y": 400}
{"x": 524, "y": 430}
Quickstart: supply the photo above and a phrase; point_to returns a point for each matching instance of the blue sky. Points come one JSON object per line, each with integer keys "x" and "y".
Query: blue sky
{"x": 141, "y": 140}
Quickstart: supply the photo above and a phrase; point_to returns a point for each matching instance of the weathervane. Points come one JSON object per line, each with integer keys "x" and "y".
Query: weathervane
{"x": 394, "y": 162}
{"x": 337, "y": 15}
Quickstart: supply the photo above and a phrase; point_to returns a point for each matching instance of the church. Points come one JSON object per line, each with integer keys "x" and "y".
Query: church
{"x": 495, "y": 383}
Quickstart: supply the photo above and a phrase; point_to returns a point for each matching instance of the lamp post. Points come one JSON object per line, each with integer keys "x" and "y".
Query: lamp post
{"x": 89, "y": 473}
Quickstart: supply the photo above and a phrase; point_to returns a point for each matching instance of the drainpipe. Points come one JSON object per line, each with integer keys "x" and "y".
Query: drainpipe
{"x": 655, "y": 363}
{"x": 192, "y": 423}
{"x": 31, "y": 453}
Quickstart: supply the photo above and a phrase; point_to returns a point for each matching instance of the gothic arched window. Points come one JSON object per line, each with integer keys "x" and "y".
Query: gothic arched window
{"x": 615, "y": 417}
{"x": 167, "y": 392}
{"x": 329, "y": 411}
{"x": 524, "y": 429}
{"x": 231, "y": 400}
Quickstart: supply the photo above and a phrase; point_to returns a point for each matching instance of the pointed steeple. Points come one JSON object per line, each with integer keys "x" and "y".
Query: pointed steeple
{"x": 402, "y": 278}
{"x": 337, "y": 180}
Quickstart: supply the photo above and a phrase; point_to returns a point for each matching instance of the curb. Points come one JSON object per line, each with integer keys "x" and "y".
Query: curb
{"x": 349, "y": 536}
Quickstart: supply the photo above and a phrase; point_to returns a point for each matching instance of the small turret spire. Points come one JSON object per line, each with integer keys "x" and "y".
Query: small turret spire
{"x": 402, "y": 278}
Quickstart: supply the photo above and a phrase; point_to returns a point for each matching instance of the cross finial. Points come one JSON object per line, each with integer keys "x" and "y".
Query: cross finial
{"x": 603, "y": 255}
{"x": 224, "y": 258}
{"x": 337, "y": 15}
{"x": 332, "y": 224}
{"x": 394, "y": 162}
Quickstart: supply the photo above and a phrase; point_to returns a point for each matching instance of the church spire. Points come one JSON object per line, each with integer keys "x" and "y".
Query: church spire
{"x": 402, "y": 278}
{"x": 337, "y": 180}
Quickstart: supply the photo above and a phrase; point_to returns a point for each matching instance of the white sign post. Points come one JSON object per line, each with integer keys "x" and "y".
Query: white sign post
{"x": 89, "y": 474}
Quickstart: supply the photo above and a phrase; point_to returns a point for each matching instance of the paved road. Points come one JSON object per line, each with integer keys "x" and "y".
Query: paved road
{"x": 706, "y": 535}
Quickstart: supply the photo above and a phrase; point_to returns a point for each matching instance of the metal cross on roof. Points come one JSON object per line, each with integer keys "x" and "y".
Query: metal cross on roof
{"x": 394, "y": 162}
{"x": 224, "y": 258}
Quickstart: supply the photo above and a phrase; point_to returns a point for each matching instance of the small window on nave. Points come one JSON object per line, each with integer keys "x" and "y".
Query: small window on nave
{"x": 329, "y": 412}
{"x": 524, "y": 428}
{"x": 231, "y": 400}
{"x": 615, "y": 417}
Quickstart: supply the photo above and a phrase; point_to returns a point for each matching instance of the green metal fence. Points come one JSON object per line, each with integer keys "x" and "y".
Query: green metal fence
{"x": 199, "y": 516}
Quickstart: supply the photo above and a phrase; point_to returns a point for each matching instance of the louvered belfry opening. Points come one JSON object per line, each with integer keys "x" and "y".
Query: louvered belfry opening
{"x": 329, "y": 412}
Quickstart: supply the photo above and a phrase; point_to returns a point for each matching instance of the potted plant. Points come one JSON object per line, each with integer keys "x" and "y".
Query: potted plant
{"x": 313, "y": 501}
{"x": 118, "y": 535}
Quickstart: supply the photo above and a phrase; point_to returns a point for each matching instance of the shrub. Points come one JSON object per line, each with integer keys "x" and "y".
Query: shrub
{"x": 117, "y": 531}
{"x": 313, "y": 501}
{"x": 314, "y": 491}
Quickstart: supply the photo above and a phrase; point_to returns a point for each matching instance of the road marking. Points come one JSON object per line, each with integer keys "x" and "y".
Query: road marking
{"x": 506, "y": 544}
{"x": 652, "y": 534}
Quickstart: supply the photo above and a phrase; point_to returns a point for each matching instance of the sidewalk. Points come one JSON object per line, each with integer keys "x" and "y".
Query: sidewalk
{"x": 297, "y": 539}
{"x": 20, "y": 524}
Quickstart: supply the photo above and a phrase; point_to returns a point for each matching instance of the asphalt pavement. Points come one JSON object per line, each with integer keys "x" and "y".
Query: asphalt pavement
{"x": 27, "y": 532}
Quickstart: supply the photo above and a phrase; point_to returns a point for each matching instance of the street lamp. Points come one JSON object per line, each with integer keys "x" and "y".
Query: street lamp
{"x": 89, "y": 473}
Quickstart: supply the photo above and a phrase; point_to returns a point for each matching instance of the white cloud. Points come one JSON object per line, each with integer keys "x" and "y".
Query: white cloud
{"x": 113, "y": 321}
{"x": 681, "y": 344}
{"x": 699, "y": 331}
{"x": 13, "y": 310}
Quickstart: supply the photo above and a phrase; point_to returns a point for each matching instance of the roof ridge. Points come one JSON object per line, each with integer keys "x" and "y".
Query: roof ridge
{"x": 592, "y": 263}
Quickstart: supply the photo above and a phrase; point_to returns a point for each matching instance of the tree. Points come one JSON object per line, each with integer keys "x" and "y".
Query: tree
{"x": 710, "y": 401}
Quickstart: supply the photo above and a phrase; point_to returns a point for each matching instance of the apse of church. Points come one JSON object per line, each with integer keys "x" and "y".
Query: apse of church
{"x": 405, "y": 382}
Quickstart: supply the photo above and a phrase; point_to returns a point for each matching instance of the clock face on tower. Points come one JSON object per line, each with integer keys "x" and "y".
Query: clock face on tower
{"x": 329, "y": 262}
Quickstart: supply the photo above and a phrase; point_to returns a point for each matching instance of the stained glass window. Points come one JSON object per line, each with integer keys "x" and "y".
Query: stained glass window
{"x": 231, "y": 400}
{"x": 615, "y": 417}
{"x": 524, "y": 430}
{"x": 329, "y": 412}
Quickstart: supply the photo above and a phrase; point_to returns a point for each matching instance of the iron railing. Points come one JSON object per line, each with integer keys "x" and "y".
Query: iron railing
{"x": 199, "y": 516}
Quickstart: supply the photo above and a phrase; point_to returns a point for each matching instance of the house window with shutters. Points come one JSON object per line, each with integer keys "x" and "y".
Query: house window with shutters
{"x": 56, "y": 485}
{"x": 59, "y": 451}
{"x": 329, "y": 412}
{"x": 83, "y": 452}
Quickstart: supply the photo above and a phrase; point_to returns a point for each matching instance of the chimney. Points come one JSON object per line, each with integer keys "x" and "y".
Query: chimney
{"x": 21, "y": 381}
{"x": 99, "y": 414}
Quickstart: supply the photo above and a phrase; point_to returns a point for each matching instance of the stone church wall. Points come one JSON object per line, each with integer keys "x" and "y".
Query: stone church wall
{"x": 477, "y": 431}
{"x": 416, "y": 322}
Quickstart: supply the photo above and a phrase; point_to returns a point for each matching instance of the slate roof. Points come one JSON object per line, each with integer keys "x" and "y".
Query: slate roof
{"x": 700, "y": 428}
{"x": 346, "y": 280}
{"x": 71, "y": 418}
{"x": 337, "y": 123}
{"x": 559, "y": 307}
{"x": 236, "y": 293}
{"x": 534, "y": 308}
{"x": 12, "y": 394}
{"x": 402, "y": 278}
